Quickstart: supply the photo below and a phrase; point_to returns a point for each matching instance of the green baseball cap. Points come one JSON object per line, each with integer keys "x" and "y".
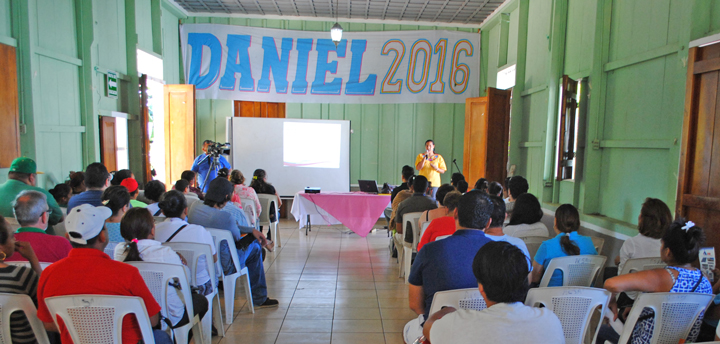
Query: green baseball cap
{"x": 24, "y": 165}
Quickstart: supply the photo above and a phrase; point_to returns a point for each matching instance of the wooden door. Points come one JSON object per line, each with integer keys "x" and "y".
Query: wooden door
{"x": 179, "y": 130}
{"x": 698, "y": 197}
{"x": 145, "y": 137}
{"x": 487, "y": 131}
{"x": 9, "y": 115}
{"x": 108, "y": 143}
{"x": 259, "y": 109}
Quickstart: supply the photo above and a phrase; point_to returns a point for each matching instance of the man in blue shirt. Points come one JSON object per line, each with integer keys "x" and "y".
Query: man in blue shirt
{"x": 447, "y": 264}
{"x": 97, "y": 179}
{"x": 209, "y": 214}
{"x": 201, "y": 166}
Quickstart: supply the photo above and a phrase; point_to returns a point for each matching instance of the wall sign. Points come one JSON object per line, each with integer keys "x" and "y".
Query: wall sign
{"x": 112, "y": 84}
{"x": 258, "y": 64}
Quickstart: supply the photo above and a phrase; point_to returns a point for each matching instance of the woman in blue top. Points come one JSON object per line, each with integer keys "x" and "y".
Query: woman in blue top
{"x": 567, "y": 243}
{"x": 680, "y": 246}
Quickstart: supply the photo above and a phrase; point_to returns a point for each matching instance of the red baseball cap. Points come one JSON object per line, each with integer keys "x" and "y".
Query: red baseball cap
{"x": 130, "y": 184}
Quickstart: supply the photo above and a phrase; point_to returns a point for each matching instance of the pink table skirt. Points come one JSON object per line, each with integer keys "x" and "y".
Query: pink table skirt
{"x": 355, "y": 210}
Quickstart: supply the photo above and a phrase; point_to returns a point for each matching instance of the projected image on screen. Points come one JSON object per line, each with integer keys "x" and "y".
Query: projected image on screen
{"x": 311, "y": 144}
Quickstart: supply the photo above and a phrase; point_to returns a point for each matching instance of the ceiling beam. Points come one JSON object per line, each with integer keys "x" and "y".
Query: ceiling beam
{"x": 402, "y": 13}
{"x": 476, "y": 11}
{"x": 441, "y": 10}
{"x": 367, "y": 9}
{"x": 241, "y": 6}
{"x": 422, "y": 10}
{"x": 277, "y": 8}
{"x": 384, "y": 14}
{"x": 219, "y": 2}
{"x": 257, "y": 3}
{"x": 460, "y": 9}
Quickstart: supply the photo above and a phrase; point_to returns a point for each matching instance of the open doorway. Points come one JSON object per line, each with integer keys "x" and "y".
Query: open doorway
{"x": 153, "y": 105}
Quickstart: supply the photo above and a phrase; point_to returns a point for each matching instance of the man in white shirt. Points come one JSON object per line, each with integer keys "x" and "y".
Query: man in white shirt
{"x": 501, "y": 271}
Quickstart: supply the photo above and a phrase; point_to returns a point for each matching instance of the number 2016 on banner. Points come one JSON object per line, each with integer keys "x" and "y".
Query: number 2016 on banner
{"x": 459, "y": 74}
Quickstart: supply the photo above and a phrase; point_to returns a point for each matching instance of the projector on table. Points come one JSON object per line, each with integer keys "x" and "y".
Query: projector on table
{"x": 312, "y": 190}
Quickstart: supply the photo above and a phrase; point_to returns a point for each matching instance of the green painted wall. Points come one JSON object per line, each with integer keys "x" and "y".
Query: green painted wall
{"x": 385, "y": 136}
{"x": 630, "y": 55}
{"x": 64, "y": 48}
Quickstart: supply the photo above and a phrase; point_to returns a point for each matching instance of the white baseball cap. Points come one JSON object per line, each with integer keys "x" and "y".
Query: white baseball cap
{"x": 87, "y": 221}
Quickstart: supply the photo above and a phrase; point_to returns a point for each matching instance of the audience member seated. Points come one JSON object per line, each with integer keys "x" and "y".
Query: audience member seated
{"x": 481, "y": 185}
{"x": 190, "y": 177}
{"x": 261, "y": 186}
{"x": 182, "y": 186}
{"x": 418, "y": 202}
{"x": 455, "y": 178}
{"x": 399, "y": 198}
{"x": 119, "y": 176}
{"x": 210, "y": 215}
{"x": 526, "y": 219}
{"x": 441, "y": 210}
{"x": 134, "y": 189}
{"x": 31, "y": 212}
{"x": 567, "y": 242}
{"x": 18, "y": 280}
{"x": 495, "y": 231}
{"x": 77, "y": 182}
{"x": 462, "y": 186}
{"x": 23, "y": 176}
{"x": 117, "y": 199}
{"x": 501, "y": 272}
{"x": 176, "y": 229}
{"x": 241, "y": 191}
{"x": 154, "y": 189}
{"x": 224, "y": 173}
{"x": 87, "y": 270}
{"x": 442, "y": 226}
{"x": 515, "y": 186}
{"x": 447, "y": 264}
{"x": 61, "y": 193}
{"x": 495, "y": 189}
{"x": 681, "y": 243}
{"x": 97, "y": 179}
{"x": 405, "y": 174}
{"x": 654, "y": 219}
{"x": 138, "y": 230}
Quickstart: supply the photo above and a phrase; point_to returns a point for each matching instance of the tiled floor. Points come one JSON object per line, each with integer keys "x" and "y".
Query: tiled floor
{"x": 333, "y": 287}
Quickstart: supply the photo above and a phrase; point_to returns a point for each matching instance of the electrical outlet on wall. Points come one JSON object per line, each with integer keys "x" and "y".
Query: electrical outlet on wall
{"x": 23, "y": 129}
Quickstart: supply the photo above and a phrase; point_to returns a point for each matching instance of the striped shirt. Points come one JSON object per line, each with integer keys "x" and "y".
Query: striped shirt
{"x": 19, "y": 280}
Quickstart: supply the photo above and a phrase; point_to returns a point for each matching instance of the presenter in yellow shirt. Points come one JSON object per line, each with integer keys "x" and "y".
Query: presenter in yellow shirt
{"x": 431, "y": 165}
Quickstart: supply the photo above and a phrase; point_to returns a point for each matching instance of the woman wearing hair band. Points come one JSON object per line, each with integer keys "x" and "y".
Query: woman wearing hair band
{"x": 138, "y": 230}
{"x": 430, "y": 165}
{"x": 681, "y": 244}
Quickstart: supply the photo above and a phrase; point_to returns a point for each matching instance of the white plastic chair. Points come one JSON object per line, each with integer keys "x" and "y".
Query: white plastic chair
{"x": 110, "y": 249}
{"x": 469, "y": 298}
{"x": 192, "y": 253}
{"x": 229, "y": 281}
{"x": 43, "y": 265}
{"x": 59, "y": 229}
{"x": 424, "y": 226}
{"x": 266, "y": 202}
{"x": 533, "y": 239}
{"x": 598, "y": 243}
{"x": 574, "y": 306}
{"x": 578, "y": 271}
{"x": 410, "y": 222}
{"x": 14, "y": 225}
{"x": 675, "y": 315}
{"x": 159, "y": 219}
{"x": 98, "y": 318}
{"x": 248, "y": 206}
{"x": 442, "y": 237}
{"x": 157, "y": 277}
{"x": 10, "y": 303}
{"x": 642, "y": 264}
{"x": 533, "y": 247}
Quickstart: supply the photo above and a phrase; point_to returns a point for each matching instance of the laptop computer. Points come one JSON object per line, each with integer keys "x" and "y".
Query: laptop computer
{"x": 369, "y": 186}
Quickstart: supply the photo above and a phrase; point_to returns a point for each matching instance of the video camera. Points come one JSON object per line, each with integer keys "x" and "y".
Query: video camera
{"x": 216, "y": 149}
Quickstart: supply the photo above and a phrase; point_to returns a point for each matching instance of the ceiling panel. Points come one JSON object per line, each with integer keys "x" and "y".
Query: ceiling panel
{"x": 471, "y": 12}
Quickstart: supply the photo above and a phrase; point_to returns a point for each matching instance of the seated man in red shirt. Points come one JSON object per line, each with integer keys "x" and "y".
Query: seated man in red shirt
{"x": 32, "y": 213}
{"x": 442, "y": 225}
{"x": 88, "y": 270}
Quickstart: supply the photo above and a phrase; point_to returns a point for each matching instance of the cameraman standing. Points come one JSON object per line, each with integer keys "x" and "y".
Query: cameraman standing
{"x": 202, "y": 163}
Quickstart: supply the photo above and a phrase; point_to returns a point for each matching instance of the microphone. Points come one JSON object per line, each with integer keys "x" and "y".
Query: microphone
{"x": 456, "y": 165}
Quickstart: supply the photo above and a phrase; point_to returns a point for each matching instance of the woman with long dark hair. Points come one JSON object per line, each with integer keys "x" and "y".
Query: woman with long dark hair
{"x": 525, "y": 220}
{"x": 567, "y": 242}
{"x": 138, "y": 229}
